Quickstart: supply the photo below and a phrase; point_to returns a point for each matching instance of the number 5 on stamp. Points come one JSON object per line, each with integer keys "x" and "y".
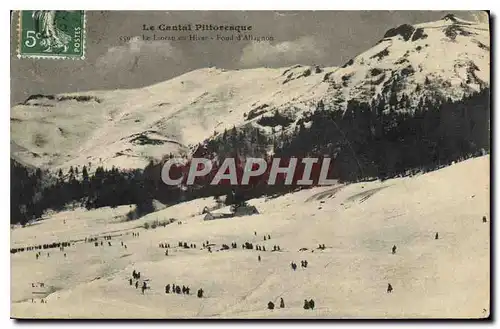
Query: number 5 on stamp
{"x": 57, "y": 34}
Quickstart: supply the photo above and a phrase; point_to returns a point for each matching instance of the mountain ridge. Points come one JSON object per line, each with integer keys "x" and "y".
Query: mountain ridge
{"x": 448, "y": 58}
{"x": 445, "y": 58}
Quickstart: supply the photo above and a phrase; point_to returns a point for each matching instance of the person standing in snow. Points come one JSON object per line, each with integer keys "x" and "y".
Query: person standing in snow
{"x": 282, "y": 303}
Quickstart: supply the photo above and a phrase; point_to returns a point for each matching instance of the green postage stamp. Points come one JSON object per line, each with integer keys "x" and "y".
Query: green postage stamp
{"x": 57, "y": 34}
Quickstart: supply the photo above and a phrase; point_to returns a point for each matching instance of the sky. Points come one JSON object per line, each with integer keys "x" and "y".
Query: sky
{"x": 118, "y": 58}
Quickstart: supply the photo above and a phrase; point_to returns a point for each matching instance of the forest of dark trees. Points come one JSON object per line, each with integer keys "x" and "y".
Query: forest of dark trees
{"x": 377, "y": 140}
{"x": 34, "y": 191}
{"x": 382, "y": 140}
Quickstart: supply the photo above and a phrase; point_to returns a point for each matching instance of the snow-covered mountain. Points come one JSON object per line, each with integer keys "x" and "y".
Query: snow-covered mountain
{"x": 127, "y": 128}
{"x": 448, "y": 58}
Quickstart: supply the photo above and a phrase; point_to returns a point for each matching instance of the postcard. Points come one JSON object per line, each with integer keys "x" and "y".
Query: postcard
{"x": 250, "y": 165}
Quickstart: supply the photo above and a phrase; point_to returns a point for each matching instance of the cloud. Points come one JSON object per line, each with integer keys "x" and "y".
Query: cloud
{"x": 302, "y": 50}
{"x": 278, "y": 14}
{"x": 129, "y": 56}
{"x": 480, "y": 16}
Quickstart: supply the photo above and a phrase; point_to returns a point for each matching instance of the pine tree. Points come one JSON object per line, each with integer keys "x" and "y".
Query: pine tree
{"x": 85, "y": 174}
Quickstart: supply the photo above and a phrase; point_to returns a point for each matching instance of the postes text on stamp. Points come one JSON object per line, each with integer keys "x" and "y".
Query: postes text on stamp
{"x": 57, "y": 34}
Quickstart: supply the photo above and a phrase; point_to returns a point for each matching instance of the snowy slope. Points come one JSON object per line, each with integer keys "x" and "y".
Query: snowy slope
{"x": 126, "y": 128}
{"x": 448, "y": 58}
{"x": 358, "y": 223}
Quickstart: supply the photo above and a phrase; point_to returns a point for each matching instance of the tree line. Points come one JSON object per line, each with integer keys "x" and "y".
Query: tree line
{"x": 35, "y": 191}
{"x": 381, "y": 139}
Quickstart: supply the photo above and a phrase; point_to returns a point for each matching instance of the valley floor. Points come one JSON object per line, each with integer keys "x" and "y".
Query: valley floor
{"x": 358, "y": 223}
